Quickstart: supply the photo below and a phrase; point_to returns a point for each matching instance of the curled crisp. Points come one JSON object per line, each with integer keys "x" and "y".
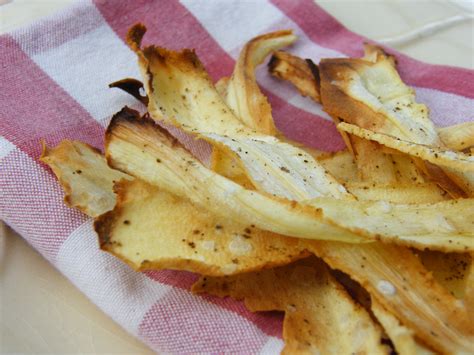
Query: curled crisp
{"x": 302, "y": 73}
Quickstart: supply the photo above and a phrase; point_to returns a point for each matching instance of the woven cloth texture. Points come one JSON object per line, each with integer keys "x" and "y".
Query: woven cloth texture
{"x": 54, "y": 78}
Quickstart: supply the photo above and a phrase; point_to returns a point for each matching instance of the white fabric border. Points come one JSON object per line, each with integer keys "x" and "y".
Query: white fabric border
{"x": 5, "y": 147}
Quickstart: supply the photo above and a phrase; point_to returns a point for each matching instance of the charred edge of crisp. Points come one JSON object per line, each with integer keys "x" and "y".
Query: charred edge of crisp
{"x": 185, "y": 60}
{"x": 181, "y": 58}
{"x": 135, "y": 35}
{"x": 149, "y": 76}
{"x": 333, "y": 64}
{"x": 94, "y": 149}
{"x": 330, "y": 68}
{"x": 154, "y": 52}
{"x": 128, "y": 115}
{"x": 131, "y": 86}
{"x": 103, "y": 227}
{"x": 315, "y": 71}
{"x": 191, "y": 56}
{"x": 273, "y": 63}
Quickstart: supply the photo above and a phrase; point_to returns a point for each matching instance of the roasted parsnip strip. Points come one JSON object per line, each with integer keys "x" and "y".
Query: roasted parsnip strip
{"x": 181, "y": 93}
{"x": 243, "y": 94}
{"x": 83, "y": 173}
{"x": 142, "y": 149}
{"x": 150, "y": 228}
{"x": 372, "y": 95}
{"x": 320, "y": 317}
{"x": 436, "y": 156}
{"x": 395, "y": 277}
{"x": 444, "y": 226}
{"x": 147, "y": 151}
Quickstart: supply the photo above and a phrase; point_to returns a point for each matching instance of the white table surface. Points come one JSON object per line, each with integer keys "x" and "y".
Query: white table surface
{"x": 41, "y": 312}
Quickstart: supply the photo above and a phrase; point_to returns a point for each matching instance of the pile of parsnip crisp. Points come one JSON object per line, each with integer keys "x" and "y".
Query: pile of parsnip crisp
{"x": 367, "y": 250}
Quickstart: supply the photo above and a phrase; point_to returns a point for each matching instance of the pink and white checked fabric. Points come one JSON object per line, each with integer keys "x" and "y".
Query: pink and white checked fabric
{"x": 53, "y": 85}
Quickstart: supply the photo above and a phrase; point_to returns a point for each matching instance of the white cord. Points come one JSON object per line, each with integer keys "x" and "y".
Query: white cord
{"x": 465, "y": 5}
{"x": 426, "y": 30}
